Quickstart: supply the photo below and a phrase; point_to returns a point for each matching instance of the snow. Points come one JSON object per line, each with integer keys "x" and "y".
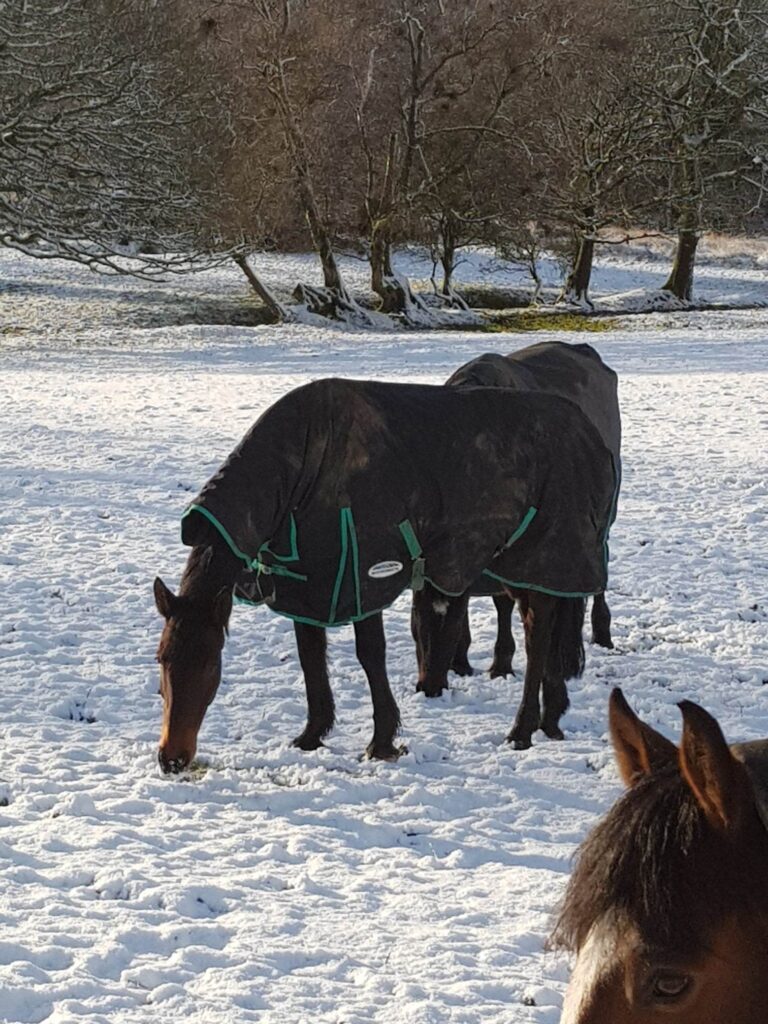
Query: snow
{"x": 282, "y": 887}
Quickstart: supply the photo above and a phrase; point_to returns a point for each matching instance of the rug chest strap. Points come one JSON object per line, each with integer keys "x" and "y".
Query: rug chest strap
{"x": 414, "y": 550}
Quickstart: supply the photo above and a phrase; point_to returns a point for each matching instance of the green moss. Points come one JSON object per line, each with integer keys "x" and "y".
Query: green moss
{"x": 533, "y": 321}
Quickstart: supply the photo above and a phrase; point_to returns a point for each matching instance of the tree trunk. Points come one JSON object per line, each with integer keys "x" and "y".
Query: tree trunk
{"x": 381, "y": 272}
{"x": 394, "y": 291}
{"x": 449, "y": 234}
{"x": 320, "y": 237}
{"x": 278, "y": 311}
{"x": 448, "y": 262}
{"x": 297, "y": 148}
{"x": 680, "y": 280}
{"x": 577, "y": 283}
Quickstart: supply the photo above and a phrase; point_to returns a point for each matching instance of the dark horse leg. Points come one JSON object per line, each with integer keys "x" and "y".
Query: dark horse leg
{"x": 311, "y": 644}
{"x": 370, "y": 648}
{"x": 504, "y": 650}
{"x": 566, "y": 661}
{"x": 538, "y": 614}
{"x": 601, "y": 622}
{"x": 460, "y": 664}
{"x": 437, "y": 624}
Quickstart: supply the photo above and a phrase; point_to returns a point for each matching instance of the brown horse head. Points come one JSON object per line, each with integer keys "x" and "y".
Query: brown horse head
{"x": 190, "y": 660}
{"x": 667, "y": 909}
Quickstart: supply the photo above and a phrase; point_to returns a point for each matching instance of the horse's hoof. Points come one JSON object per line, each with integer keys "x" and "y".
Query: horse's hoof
{"x": 553, "y": 732}
{"x": 519, "y": 740}
{"x": 384, "y": 751}
{"x": 429, "y": 691}
{"x": 603, "y": 641}
{"x": 304, "y": 742}
{"x": 500, "y": 670}
{"x": 462, "y": 668}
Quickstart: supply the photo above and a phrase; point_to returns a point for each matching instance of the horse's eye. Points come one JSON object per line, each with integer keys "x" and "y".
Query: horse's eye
{"x": 668, "y": 986}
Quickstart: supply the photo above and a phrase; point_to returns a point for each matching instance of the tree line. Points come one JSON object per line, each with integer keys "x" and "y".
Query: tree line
{"x": 189, "y": 133}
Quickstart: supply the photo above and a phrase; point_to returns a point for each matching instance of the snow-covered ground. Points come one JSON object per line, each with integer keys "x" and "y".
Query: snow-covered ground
{"x": 289, "y": 888}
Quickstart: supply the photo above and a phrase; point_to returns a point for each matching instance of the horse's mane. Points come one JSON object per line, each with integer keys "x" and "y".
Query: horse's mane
{"x": 655, "y": 863}
{"x": 209, "y": 568}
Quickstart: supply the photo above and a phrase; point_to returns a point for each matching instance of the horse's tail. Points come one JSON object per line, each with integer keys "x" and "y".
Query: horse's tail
{"x": 566, "y": 649}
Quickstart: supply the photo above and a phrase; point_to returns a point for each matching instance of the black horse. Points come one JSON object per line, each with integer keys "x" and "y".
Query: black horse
{"x": 575, "y": 372}
{"x": 441, "y": 628}
{"x": 345, "y": 493}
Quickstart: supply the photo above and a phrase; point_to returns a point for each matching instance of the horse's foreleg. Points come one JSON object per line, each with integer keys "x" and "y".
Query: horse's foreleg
{"x": 538, "y": 619}
{"x": 370, "y": 647}
{"x": 601, "y": 622}
{"x": 504, "y": 649}
{"x": 438, "y": 623}
{"x": 311, "y": 644}
{"x": 460, "y": 663}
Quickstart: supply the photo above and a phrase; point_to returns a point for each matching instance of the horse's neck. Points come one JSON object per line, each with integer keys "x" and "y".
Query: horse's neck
{"x": 209, "y": 569}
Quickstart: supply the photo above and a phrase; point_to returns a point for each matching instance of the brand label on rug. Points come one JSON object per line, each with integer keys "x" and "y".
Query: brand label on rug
{"x": 383, "y": 569}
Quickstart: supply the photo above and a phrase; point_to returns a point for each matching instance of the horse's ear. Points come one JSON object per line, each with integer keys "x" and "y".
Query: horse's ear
{"x": 717, "y": 779}
{"x": 222, "y": 607}
{"x": 165, "y": 599}
{"x": 639, "y": 749}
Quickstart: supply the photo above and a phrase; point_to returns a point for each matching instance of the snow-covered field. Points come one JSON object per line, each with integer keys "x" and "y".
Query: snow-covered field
{"x": 289, "y": 888}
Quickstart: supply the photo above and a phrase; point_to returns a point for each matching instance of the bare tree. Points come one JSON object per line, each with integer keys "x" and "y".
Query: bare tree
{"x": 93, "y": 116}
{"x": 423, "y": 57}
{"x": 708, "y": 94}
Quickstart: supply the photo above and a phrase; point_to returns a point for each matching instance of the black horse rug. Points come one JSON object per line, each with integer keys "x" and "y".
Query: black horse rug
{"x": 575, "y": 372}
{"x": 344, "y": 493}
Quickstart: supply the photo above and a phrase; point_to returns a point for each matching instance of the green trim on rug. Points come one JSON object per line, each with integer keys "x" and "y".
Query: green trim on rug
{"x": 342, "y": 565}
{"x": 524, "y": 524}
{"x": 215, "y": 522}
{"x": 293, "y": 556}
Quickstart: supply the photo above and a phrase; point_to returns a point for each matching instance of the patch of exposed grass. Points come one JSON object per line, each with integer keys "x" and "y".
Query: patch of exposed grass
{"x": 530, "y": 320}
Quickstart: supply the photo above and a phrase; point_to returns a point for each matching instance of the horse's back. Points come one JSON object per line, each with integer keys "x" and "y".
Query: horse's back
{"x": 576, "y": 372}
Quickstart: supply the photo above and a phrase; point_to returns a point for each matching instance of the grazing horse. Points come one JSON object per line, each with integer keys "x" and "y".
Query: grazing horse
{"x": 343, "y": 494}
{"x": 667, "y": 909}
{"x": 552, "y": 622}
{"x": 575, "y": 372}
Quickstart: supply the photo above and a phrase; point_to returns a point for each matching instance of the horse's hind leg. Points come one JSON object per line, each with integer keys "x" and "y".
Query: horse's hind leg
{"x": 538, "y": 611}
{"x": 504, "y": 649}
{"x": 556, "y": 702}
{"x": 438, "y": 621}
{"x": 460, "y": 664}
{"x": 601, "y": 622}
{"x": 416, "y": 634}
{"x": 370, "y": 647}
{"x": 311, "y": 644}
{"x": 565, "y": 661}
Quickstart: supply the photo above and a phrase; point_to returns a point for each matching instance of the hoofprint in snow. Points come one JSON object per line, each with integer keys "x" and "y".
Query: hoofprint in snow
{"x": 283, "y": 887}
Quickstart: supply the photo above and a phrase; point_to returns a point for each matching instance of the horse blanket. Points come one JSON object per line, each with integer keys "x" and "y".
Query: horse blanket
{"x": 345, "y": 492}
{"x": 575, "y": 372}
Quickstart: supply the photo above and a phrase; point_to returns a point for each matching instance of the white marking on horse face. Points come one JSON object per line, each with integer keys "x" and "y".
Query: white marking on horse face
{"x": 595, "y": 960}
{"x": 440, "y": 606}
